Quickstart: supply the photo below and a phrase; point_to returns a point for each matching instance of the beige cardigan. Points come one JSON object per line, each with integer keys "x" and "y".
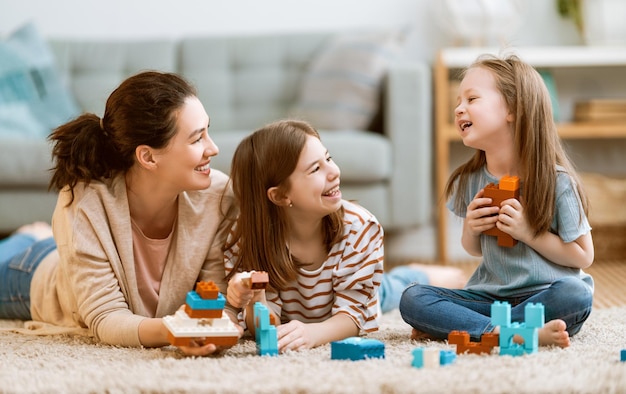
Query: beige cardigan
{"x": 93, "y": 283}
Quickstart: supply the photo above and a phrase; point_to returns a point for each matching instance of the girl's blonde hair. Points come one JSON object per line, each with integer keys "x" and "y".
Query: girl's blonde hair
{"x": 536, "y": 141}
{"x": 266, "y": 159}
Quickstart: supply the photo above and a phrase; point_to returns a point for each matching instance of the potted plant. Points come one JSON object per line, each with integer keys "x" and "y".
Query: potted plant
{"x": 600, "y": 22}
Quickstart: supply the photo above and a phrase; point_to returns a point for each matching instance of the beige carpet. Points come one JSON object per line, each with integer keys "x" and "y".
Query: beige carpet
{"x": 64, "y": 364}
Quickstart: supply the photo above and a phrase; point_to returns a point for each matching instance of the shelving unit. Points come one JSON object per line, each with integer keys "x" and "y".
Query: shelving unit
{"x": 450, "y": 60}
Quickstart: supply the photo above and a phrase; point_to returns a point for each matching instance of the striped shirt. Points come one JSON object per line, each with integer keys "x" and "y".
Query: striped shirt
{"x": 347, "y": 282}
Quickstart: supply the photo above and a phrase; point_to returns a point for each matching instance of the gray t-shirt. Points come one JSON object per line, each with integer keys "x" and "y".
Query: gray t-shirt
{"x": 514, "y": 271}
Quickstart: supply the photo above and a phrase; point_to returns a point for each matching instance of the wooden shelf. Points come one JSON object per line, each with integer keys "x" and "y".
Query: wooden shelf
{"x": 450, "y": 59}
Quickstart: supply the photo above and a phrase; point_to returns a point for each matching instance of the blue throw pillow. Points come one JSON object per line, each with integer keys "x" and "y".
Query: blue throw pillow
{"x": 33, "y": 99}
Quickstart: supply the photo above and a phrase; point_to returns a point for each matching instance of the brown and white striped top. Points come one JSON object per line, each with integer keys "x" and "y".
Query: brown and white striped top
{"x": 347, "y": 282}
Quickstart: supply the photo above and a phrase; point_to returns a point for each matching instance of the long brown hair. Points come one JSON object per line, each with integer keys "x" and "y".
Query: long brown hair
{"x": 141, "y": 111}
{"x": 265, "y": 159}
{"x": 536, "y": 141}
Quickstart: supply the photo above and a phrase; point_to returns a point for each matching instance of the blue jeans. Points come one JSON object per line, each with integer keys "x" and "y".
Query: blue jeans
{"x": 437, "y": 311}
{"x": 20, "y": 255}
{"x": 393, "y": 284}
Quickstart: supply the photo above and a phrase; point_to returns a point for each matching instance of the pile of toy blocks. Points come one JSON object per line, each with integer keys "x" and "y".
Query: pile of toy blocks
{"x": 202, "y": 318}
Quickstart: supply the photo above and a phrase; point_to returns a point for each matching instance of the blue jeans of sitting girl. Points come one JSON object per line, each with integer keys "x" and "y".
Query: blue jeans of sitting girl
{"x": 437, "y": 311}
{"x": 20, "y": 255}
{"x": 393, "y": 284}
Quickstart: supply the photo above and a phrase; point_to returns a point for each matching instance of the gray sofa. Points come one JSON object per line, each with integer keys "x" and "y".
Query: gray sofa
{"x": 245, "y": 82}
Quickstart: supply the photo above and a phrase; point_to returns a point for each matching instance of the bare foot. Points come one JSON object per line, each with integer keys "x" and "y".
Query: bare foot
{"x": 417, "y": 335}
{"x": 38, "y": 230}
{"x": 554, "y": 333}
{"x": 442, "y": 276}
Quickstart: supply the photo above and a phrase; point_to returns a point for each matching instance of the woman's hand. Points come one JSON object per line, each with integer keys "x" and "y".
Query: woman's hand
{"x": 197, "y": 347}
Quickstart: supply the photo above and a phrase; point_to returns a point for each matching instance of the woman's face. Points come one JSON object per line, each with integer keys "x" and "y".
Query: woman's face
{"x": 314, "y": 184}
{"x": 184, "y": 163}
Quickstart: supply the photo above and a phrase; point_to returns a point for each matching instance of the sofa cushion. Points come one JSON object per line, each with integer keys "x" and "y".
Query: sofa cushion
{"x": 25, "y": 163}
{"x": 342, "y": 87}
{"x": 33, "y": 98}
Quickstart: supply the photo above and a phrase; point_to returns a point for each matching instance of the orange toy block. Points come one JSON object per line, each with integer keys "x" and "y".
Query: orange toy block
{"x": 203, "y": 313}
{"x": 507, "y": 188}
{"x": 207, "y": 290}
{"x": 463, "y": 344}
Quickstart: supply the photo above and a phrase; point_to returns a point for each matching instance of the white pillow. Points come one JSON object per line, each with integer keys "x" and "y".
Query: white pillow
{"x": 342, "y": 87}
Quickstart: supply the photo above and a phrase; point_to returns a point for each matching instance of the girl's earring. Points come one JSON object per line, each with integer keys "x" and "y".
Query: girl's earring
{"x": 290, "y": 205}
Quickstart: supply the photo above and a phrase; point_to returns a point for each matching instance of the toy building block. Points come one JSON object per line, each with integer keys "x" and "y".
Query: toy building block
{"x": 265, "y": 332}
{"x": 431, "y": 357}
{"x": 507, "y": 188}
{"x": 623, "y": 355}
{"x": 207, "y": 290}
{"x": 463, "y": 344}
{"x": 446, "y": 357}
{"x": 357, "y": 348}
{"x": 255, "y": 280}
{"x": 182, "y": 329}
{"x": 202, "y": 317}
{"x": 534, "y": 315}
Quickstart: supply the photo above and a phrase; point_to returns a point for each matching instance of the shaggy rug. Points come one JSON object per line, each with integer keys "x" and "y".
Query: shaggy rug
{"x": 76, "y": 364}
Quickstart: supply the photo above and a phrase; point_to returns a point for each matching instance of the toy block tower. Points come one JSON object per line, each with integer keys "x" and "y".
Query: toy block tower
{"x": 507, "y": 188}
{"x": 202, "y": 317}
{"x": 265, "y": 332}
{"x": 528, "y": 330}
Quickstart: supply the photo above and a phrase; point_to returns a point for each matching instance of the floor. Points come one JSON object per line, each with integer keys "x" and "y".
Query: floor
{"x": 419, "y": 245}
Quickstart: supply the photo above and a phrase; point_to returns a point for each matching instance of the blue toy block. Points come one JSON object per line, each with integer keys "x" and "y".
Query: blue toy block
{"x": 196, "y": 302}
{"x": 447, "y": 357}
{"x": 623, "y": 355}
{"x": 265, "y": 333}
{"x": 501, "y": 314}
{"x": 418, "y": 357}
{"x": 268, "y": 343}
{"x": 357, "y": 348}
{"x": 534, "y": 315}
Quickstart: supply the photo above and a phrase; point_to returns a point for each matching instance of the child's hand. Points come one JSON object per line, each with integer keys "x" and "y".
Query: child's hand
{"x": 238, "y": 294}
{"x": 512, "y": 221}
{"x": 294, "y": 335}
{"x": 480, "y": 216}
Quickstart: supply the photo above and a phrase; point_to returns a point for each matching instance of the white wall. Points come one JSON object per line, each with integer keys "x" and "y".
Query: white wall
{"x": 166, "y": 18}
{"x": 539, "y": 25}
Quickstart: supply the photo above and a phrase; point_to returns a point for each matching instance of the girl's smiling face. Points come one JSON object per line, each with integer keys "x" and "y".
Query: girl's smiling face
{"x": 482, "y": 117}
{"x": 314, "y": 184}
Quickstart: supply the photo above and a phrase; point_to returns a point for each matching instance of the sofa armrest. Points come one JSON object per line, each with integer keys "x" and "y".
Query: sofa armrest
{"x": 408, "y": 123}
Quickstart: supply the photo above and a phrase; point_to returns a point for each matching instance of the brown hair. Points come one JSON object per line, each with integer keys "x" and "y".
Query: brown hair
{"x": 141, "y": 111}
{"x": 537, "y": 143}
{"x": 265, "y": 159}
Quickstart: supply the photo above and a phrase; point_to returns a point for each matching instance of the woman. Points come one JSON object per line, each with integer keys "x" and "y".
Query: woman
{"x": 140, "y": 218}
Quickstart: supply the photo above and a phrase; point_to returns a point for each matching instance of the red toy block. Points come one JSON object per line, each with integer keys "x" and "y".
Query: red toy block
{"x": 207, "y": 290}
{"x": 507, "y": 188}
